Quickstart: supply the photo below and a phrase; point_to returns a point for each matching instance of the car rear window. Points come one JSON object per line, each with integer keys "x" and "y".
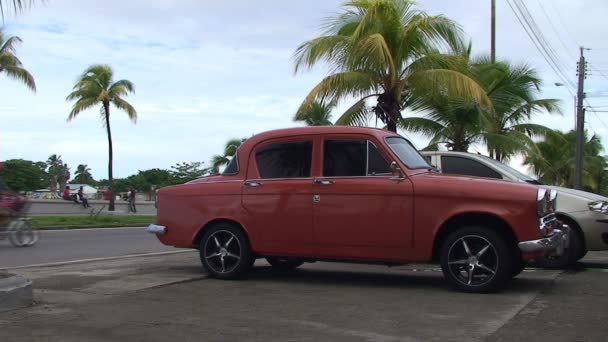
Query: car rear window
{"x": 285, "y": 160}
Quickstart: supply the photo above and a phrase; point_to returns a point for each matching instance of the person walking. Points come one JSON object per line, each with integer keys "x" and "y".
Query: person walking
{"x": 132, "y": 201}
{"x": 84, "y": 200}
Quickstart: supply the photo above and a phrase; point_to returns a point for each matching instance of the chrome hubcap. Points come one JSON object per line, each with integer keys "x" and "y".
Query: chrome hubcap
{"x": 473, "y": 260}
{"x": 222, "y": 251}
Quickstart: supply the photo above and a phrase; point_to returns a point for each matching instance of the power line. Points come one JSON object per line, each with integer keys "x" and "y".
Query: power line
{"x": 544, "y": 43}
{"x": 559, "y": 37}
{"x": 562, "y": 23}
{"x": 537, "y": 43}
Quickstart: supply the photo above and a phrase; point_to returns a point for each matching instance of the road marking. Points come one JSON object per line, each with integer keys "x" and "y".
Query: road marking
{"x": 84, "y": 229}
{"x": 62, "y": 263}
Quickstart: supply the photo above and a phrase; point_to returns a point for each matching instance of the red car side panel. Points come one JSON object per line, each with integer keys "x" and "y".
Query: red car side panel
{"x": 185, "y": 209}
{"x": 441, "y": 197}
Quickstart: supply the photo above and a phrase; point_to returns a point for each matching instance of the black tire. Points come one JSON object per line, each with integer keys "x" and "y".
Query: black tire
{"x": 225, "y": 252}
{"x": 477, "y": 259}
{"x": 571, "y": 255}
{"x": 284, "y": 264}
{"x": 518, "y": 267}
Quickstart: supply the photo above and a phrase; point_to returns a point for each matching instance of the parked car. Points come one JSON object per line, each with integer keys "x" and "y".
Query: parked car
{"x": 584, "y": 212}
{"x": 355, "y": 194}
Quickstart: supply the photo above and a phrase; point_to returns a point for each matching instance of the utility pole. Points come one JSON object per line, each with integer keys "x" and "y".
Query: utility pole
{"x": 580, "y": 121}
{"x": 493, "y": 33}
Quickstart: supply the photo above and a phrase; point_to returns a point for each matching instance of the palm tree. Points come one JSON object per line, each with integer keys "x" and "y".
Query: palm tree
{"x": 230, "y": 149}
{"x": 318, "y": 114}
{"x": 94, "y": 87}
{"x": 10, "y": 65}
{"x": 17, "y": 6}
{"x": 386, "y": 50}
{"x": 505, "y": 130}
{"x": 553, "y": 161}
{"x": 83, "y": 174}
{"x": 55, "y": 171}
{"x": 513, "y": 90}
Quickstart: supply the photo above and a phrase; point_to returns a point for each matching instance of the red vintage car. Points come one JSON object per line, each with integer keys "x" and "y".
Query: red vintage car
{"x": 354, "y": 194}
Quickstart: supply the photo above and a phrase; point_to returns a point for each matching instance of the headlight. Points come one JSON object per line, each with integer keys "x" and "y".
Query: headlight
{"x": 546, "y": 201}
{"x": 599, "y": 206}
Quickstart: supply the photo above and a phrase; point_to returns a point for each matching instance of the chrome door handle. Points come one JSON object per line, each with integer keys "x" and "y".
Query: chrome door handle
{"x": 323, "y": 182}
{"x": 252, "y": 184}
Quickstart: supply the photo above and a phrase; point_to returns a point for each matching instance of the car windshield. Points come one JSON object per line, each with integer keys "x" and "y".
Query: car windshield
{"x": 407, "y": 153}
{"x": 507, "y": 168}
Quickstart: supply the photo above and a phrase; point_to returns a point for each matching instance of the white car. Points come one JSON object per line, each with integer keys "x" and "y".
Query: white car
{"x": 586, "y": 213}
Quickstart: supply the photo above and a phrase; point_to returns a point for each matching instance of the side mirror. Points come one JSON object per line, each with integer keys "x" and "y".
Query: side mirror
{"x": 398, "y": 174}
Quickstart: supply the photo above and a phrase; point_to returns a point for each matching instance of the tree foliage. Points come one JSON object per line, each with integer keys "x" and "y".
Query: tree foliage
{"x": 553, "y": 161}
{"x": 317, "y": 114}
{"x": 506, "y": 130}
{"x": 385, "y": 50}
{"x": 220, "y": 160}
{"x": 185, "y": 172}
{"x": 10, "y": 65}
{"x": 83, "y": 175}
{"x": 24, "y": 175}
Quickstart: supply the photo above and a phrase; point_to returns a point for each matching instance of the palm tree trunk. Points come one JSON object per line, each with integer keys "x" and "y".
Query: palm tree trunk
{"x": 389, "y": 111}
{"x": 106, "y": 108}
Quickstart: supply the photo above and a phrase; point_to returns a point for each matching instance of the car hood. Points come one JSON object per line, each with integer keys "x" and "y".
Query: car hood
{"x": 578, "y": 193}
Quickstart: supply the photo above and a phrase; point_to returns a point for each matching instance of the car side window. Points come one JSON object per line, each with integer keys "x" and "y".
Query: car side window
{"x": 285, "y": 160}
{"x": 353, "y": 158}
{"x": 467, "y": 167}
{"x": 233, "y": 166}
{"x": 428, "y": 159}
{"x": 376, "y": 163}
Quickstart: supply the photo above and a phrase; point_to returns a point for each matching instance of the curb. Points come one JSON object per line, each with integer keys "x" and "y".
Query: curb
{"x": 82, "y": 261}
{"x": 15, "y": 291}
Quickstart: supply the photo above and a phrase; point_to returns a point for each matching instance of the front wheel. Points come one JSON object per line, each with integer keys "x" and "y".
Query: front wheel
{"x": 571, "y": 253}
{"x": 476, "y": 259}
{"x": 225, "y": 252}
{"x": 22, "y": 234}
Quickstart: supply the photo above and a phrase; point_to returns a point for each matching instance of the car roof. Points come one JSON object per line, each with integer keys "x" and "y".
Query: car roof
{"x": 314, "y": 130}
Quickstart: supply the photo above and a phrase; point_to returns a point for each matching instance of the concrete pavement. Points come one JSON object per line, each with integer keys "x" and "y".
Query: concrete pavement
{"x": 68, "y": 245}
{"x": 168, "y": 298}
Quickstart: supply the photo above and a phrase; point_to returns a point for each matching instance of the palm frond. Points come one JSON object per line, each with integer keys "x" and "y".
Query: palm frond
{"x": 126, "y": 106}
{"x": 357, "y": 115}
{"x": 20, "y": 74}
{"x": 80, "y": 106}
{"x": 337, "y": 86}
{"x": 422, "y": 126}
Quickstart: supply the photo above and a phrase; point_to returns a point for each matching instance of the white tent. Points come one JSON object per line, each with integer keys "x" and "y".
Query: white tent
{"x": 87, "y": 189}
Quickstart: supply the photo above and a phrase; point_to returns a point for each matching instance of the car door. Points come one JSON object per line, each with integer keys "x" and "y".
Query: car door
{"x": 277, "y": 195}
{"x": 360, "y": 209}
{"x": 466, "y": 166}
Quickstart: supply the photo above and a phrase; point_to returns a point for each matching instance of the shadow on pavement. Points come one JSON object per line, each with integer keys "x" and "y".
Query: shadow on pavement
{"x": 371, "y": 279}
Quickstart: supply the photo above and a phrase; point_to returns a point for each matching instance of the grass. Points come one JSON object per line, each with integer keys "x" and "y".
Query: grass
{"x": 90, "y": 221}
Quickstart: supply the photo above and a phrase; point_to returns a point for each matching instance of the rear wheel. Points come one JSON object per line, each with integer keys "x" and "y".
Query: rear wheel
{"x": 225, "y": 252}
{"x": 284, "y": 264}
{"x": 476, "y": 259}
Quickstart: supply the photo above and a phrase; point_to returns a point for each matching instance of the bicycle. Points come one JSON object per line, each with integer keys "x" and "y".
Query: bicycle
{"x": 14, "y": 224}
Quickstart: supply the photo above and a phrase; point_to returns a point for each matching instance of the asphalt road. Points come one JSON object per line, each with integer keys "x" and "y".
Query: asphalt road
{"x": 69, "y": 245}
{"x": 168, "y": 297}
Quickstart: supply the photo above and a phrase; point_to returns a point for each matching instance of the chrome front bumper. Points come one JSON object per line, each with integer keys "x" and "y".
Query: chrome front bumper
{"x": 156, "y": 229}
{"x": 552, "y": 245}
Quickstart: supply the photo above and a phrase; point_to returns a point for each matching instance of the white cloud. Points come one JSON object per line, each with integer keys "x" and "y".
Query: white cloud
{"x": 207, "y": 71}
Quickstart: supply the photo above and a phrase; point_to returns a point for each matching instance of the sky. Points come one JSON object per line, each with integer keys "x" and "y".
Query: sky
{"x": 207, "y": 71}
